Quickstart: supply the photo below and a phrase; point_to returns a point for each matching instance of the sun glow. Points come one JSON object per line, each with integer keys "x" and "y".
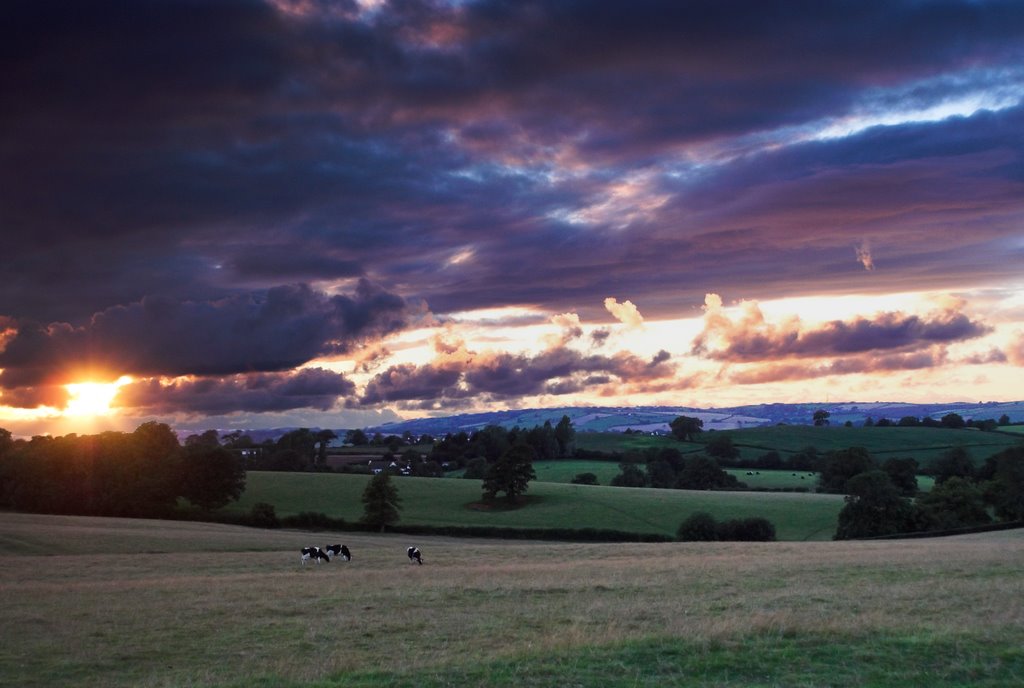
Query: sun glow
{"x": 92, "y": 398}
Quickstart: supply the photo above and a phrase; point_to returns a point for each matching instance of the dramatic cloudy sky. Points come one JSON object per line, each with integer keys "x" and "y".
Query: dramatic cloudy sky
{"x": 245, "y": 213}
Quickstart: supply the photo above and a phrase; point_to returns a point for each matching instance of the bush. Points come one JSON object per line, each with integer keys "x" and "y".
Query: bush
{"x": 313, "y": 520}
{"x": 702, "y": 527}
{"x": 585, "y": 479}
{"x": 699, "y": 527}
{"x": 754, "y": 529}
{"x": 263, "y": 515}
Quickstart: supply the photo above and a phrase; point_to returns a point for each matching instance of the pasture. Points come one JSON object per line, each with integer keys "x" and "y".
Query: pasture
{"x": 923, "y": 444}
{"x": 151, "y": 604}
{"x": 455, "y": 502}
{"x": 563, "y": 471}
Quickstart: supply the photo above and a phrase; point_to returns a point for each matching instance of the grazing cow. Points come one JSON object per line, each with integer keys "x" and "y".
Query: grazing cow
{"x": 414, "y": 555}
{"x": 335, "y": 550}
{"x": 314, "y": 553}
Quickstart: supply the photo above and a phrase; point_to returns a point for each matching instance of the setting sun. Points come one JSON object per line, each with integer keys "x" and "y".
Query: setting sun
{"x": 92, "y": 398}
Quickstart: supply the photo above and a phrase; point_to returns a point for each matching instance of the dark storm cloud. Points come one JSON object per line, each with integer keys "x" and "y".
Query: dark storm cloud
{"x": 260, "y": 332}
{"x": 146, "y": 144}
{"x": 187, "y": 159}
{"x": 499, "y": 375}
{"x": 312, "y": 388}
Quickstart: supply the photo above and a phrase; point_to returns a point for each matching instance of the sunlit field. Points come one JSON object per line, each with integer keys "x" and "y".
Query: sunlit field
{"x": 109, "y": 602}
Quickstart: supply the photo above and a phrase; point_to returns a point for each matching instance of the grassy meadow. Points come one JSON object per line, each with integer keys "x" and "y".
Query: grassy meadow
{"x": 454, "y": 502}
{"x": 564, "y": 471}
{"x": 151, "y": 604}
{"x": 923, "y": 444}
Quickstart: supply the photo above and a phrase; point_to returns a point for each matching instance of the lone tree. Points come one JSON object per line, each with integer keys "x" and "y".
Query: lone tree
{"x": 686, "y": 428}
{"x": 510, "y": 474}
{"x": 821, "y": 417}
{"x": 381, "y": 501}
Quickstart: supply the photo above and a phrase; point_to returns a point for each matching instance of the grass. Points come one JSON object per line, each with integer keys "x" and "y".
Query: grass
{"x": 446, "y": 502}
{"x": 923, "y": 444}
{"x": 218, "y": 606}
{"x": 564, "y": 471}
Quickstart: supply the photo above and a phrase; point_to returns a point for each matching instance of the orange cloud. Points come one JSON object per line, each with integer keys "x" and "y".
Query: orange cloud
{"x": 625, "y": 312}
{"x": 749, "y": 337}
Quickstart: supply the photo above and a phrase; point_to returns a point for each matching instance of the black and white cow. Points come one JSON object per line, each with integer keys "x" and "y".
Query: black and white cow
{"x": 335, "y": 550}
{"x": 414, "y": 555}
{"x": 314, "y": 553}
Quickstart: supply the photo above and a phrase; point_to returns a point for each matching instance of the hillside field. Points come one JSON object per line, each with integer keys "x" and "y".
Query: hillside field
{"x": 450, "y": 502}
{"x": 923, "y": 444}
{"x": 121, "y": 603}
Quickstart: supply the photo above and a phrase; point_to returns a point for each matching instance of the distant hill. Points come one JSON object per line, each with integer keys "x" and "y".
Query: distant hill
{"x": 657, "y": 418}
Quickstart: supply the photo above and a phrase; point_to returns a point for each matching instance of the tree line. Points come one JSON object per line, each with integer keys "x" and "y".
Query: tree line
{"x": 141, "y": 473}
{"x": 882, "y": 498}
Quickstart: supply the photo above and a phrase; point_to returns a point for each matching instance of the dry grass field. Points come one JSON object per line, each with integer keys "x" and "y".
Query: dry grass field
{"x": 120, "y": 602}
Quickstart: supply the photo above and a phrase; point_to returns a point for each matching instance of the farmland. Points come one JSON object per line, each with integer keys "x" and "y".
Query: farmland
{"x": 211, "y": 605}
{"x": 450, "y": 502}
{"x": 923, "y": 444}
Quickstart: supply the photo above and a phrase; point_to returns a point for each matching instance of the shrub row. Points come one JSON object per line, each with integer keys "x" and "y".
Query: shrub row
{"x": 702, "y": 527}
{"x": 262, "y": 516}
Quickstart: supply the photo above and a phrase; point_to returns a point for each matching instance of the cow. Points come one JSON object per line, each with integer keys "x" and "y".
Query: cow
{"x": 414, "y": 555}
{"x": 314, "y": 553}
{"x": 335, "y": 550}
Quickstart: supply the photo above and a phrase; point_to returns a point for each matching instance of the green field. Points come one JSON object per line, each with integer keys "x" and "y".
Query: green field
{"x": 564, "y": 471}
{"x": 120, "y": 603}
{"x": 448, "y": 502}
{"x": 923, "y": 444}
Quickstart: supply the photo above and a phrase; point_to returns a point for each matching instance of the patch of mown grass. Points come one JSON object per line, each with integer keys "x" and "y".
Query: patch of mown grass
{"x": 754, "y": 661}
{"x": 236, "y": 608}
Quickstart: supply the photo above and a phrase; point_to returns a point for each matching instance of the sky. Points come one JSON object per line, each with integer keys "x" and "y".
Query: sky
{"x": 264, "y": 213}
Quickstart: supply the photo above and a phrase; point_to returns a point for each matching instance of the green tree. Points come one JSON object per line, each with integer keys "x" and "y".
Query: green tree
{"x": 209, "y": 438}
{"x": 629, "y": 475}
{"x": 873, "y": 507}
{"x": 511, "y": 473}
{"x": 685, "y": 428}
{"x": 953, "y": 420}
{"x": 476, "y": 468}
{"x": 952, "y": 463}
{"x": 211, "y": 476}
{"x": 955, "y": 503}
{"x": 903, "y": 473}
{"x": 323, "y": 439}
{"x": 300, "y": 443}
{"x": 703, "y": 473}
{"x": 660, "y": 474}
{"x": 357, "y": 438}
{"x": 720, "y": 446}
{"x": 841, "y": 465}
{"x": 565, "y": 435}
{"x": 1005, "y": 489}
{"x": 821, "y": 417}
{"x": 491, "y": 442}
{"x": 1004, "y": 419}
{"x": 381, "y": 503}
